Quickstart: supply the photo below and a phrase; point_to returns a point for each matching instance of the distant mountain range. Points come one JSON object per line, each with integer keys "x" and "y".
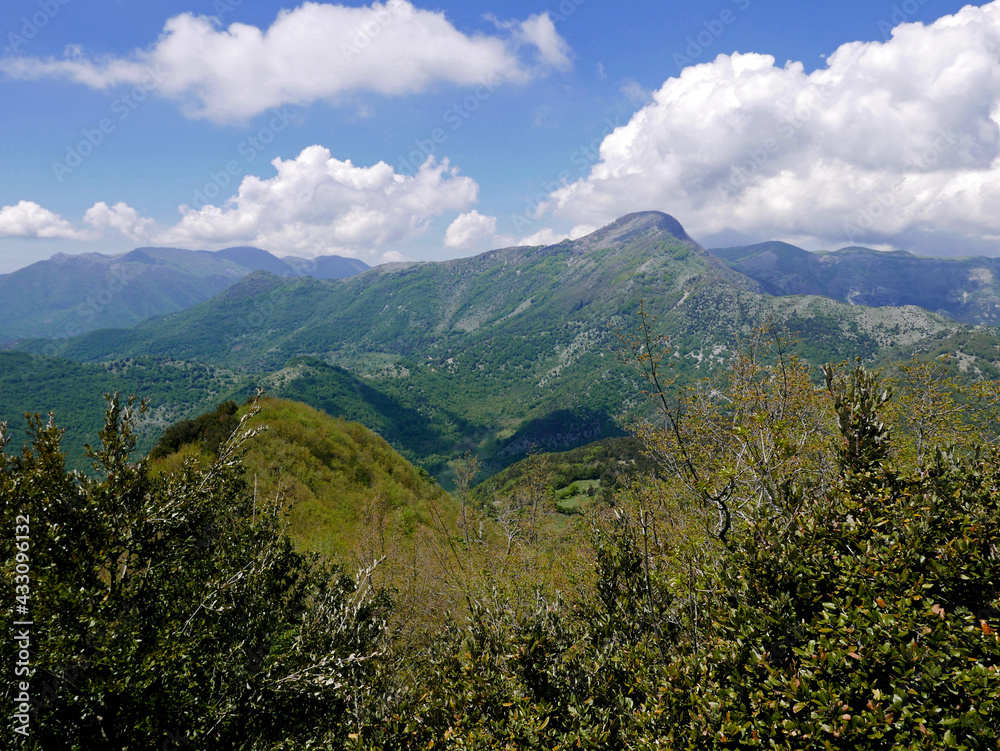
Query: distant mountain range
{"x": 965, "y": 289}
{"x": 67, "y": 295}
{"x": 512, "y": 350}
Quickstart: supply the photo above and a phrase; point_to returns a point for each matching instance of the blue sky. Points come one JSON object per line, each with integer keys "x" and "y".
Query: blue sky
{"x": 427, "y": 131}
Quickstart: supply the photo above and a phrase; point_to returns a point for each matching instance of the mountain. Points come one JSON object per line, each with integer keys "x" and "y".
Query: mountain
{"x": 67, "y": 295}
{"x": 965, "y": 289}
{"x": 503, "y": 353}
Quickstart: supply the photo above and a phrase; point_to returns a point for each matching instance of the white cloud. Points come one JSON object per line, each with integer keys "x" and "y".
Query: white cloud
{"x": 889, "y": 140}
{"x": 538, "y": 31}
{"x": 318, "y": 51}
{"x": 28, "y": 219}
{"x": 469, "y": 229}
{"x": 545, "y": 236}
{"x": 120, "y": 218}
{"x": 315, "y": 205}
{"x": 549, "y": 236}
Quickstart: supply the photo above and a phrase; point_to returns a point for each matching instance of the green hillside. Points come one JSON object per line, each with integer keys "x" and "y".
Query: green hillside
{"x": 578, "y": 476}
{"x": 426, "y": 435}
{"x": 73, "y": 393}
{"x": 341, "y": 482}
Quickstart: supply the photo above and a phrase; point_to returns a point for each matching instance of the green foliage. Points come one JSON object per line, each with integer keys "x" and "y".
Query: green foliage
{"x": 603, "y": 467}
{"x": 864, "y": 616}
{"x": 171, "y": 611}
{"x": 332, "y": 475}
{"x": 870, "y": 620}
{"x": 858, "y": 403}
{"x": 339, "y": 393}
{"x": 72, "y": 391}
{"x": 867, "y": 622}
{"x": 211, "y": 430}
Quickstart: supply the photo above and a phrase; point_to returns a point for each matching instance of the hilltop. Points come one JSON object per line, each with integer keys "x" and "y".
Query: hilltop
{"x": 340, "y": 481}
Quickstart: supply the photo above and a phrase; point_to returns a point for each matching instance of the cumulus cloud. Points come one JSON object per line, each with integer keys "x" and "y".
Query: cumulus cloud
{"x": 120, "y": 218}
{"x": 469, "y": 229}
{"x": 887, "y": 143}
{"x": 315, "y": 205}
{"x": 28, "y": 219}
{"x": 318, "y": 51}
{"x": 546, "y": 236}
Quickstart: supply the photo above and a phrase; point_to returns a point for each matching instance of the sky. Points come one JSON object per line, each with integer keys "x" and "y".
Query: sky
{"x": 423, "y": 131}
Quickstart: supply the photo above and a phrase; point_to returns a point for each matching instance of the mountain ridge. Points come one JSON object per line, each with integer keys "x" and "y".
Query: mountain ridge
{"x": 965, "y": 289}
{"x": 67, "y": 295}
{"x": 504, "y": 351}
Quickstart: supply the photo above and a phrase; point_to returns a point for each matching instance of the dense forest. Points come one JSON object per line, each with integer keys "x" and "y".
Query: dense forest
{"x": 796, "y": 560}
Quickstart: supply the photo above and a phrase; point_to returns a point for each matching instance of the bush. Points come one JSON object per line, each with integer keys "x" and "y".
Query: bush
{"x": 173, "y": 612}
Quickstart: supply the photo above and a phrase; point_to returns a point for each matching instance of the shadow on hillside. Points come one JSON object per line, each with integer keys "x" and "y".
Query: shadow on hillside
{"x": 339, "y": 393}
{"x": 560, "y": 430}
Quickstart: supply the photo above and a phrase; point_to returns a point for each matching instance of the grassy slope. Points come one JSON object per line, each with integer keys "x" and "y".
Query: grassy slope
{"x": 342, "y": 481}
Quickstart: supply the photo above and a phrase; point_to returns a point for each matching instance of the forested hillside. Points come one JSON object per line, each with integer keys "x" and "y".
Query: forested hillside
{"x": 798, "y": 566}
{"x": 68, "y": 295}
{"x": 336, "y": 478}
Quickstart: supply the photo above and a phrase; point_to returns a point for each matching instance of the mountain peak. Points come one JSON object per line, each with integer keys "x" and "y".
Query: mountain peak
{"x": 638, "y": 224}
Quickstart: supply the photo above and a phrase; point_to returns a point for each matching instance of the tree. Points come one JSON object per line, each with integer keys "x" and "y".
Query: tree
{"x": 173, "y": 612}
{"x": 743, "y": 442}
{"x": 466, "y": 468}
{"x": 869, "y": 621}
{"x": 862, "y": 616}
{"x": 931, "y": 407}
